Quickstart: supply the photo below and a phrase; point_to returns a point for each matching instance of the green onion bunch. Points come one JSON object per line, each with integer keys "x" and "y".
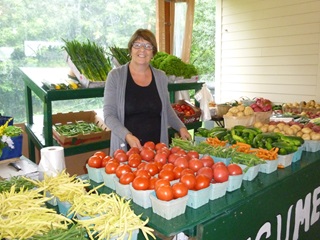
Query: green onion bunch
{"x": 89, "y": 58}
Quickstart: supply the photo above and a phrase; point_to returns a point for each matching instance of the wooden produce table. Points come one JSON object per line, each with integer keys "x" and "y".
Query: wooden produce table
{"x": 264, "y": 207}
{"x": 40, "y": 132}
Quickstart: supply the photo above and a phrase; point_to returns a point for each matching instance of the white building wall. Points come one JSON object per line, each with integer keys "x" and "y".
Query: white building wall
{"x": 268, "y": 49}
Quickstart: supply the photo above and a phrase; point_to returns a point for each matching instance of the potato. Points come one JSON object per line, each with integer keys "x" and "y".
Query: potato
{"x": 306, "y": 136}
{"x": 233, "y": 110}
{"x": 306, "y": 130}
{"x": 288, "y": 131}
{"x": 258, "y": 124}
{"x": 280, "y": 126}
{"x": 240, "y": 108}
{"x": 299, "y": 134}
{"x": 240, "y": 114}
{"x": 276, "y": 130}
{"x": 315, "y": 136}
{"x": 271, "y": 128}
{"x": 229, "y": 114}
{"x": 294, "y": 130}
{"x": 296, "y": 126}
{"x": 264, "y": 129}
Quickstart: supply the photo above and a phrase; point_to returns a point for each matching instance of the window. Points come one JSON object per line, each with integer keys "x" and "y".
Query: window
{"x": 32, "y": 34}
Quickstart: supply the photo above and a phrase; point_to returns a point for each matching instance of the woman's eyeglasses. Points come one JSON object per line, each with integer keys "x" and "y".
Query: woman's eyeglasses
{"x": 138, "y": 45}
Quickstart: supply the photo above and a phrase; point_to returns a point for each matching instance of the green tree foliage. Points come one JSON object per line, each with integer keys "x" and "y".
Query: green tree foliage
{"x": 203, "y": 39}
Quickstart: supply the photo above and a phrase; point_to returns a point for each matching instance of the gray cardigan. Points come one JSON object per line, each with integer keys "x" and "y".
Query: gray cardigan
{"x": 114, "y": 101}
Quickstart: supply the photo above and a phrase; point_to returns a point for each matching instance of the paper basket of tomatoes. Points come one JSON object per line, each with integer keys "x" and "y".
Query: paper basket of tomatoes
{"x": 186, "y": 111}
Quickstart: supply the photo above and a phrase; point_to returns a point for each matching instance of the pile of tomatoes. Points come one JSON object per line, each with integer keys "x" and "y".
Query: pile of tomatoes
{"x": 170, "y": 172}
{"x": 183, "y": 108}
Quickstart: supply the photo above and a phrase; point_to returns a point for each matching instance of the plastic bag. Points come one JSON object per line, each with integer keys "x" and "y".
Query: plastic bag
{"x": 204, "y": 97}
{"x": 182, "y": 95}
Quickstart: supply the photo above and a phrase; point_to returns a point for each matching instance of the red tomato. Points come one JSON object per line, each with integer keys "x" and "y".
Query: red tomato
{"x": 172, "y": 157}
{"x": 193, "y": 154}
{"x": 122, "y": 157}
{"x": 121, "y": 169}
{"x": 186, "y": 171}
{"x": 141, "y": 165}
{"x": 181, "y": 162}
{"x": 140, "y": 183}
{"x": 182, "y": 152}
{"x": 160, "y": 145}
{"x": 207, "y": 171}
{"x": 195, "y": 164}
{"x": 111, "y": 166}
{"x": 179, "y": 190}
{"x": 126, "y": 178}
{"x": 234, "y": 169}
{"x": 168, "y": 166}
{"x": 100, "y": 154}
{"x": 159, "y": 165}
{"x": 133, "y": 150}
{"x": 143, "y": 172}
{"x": 189, "y": 180}
{"x": 94, "y": 161}
{"x": 175, "y": 149}
{"x": 177, "y": 172}
{"x": 164, "y": 193}
{"x": 161, "y": 157}
{"x": 220, "y": 174}
{"x": 147, "y": 154}
{"x": 166, "y": 174}
{"x": 152, "y": 183}
{"x": 105, "y": 160}
{"x": 118, "y": 151}
{"x": 152, "y": 168}
{"x": 218, "y": 164}
{"x": 134, "y": 160}
{"x": 150, "y": 145}
{"x": 164, "y": 150}
{"x": 202, "y": 182}
{"x": 207, "y": 160}
{"x": 160, "y": 182}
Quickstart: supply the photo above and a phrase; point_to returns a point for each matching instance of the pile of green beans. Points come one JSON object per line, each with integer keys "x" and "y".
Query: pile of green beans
{"x": 18, "y": 181}
{"x": 77, "y": 128}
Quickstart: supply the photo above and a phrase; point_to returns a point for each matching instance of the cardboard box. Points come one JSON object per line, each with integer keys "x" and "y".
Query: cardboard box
{"x": 189, "y": 119}
{"x": 72, "y": 117}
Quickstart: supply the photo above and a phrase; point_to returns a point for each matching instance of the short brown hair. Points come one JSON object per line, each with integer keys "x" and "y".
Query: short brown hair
{"x": 145, "y": 34}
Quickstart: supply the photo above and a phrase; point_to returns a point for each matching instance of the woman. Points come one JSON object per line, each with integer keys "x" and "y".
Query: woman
{"x": 137, "y": 108}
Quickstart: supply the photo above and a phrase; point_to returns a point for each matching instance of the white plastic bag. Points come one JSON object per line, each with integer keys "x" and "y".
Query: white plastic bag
{"x": 204, "y": 97}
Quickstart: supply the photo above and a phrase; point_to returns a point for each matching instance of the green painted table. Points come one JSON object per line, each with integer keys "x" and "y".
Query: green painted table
{"x": 40, "y": 132}
{"x": 270, "y": 205}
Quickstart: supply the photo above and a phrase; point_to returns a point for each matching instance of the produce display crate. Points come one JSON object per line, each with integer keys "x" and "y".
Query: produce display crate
{"x": 72, "y": 117}
{"x": 168, "y": 209}
{"x": 192, "y": 118}
{"x": 231, "y": 121}
{"x": 263, "y": 117}
{"x": 222, "y": 109}
{"x": 87, "y": 83}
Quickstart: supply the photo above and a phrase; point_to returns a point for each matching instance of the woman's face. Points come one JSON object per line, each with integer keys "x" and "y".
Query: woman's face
{"x": 141, "y": 51}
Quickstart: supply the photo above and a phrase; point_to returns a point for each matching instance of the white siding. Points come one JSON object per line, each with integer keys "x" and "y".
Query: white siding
{"x": 268, "y": 49}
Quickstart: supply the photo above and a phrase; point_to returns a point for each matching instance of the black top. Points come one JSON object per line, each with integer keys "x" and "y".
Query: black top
{"x": 143, "y": 110}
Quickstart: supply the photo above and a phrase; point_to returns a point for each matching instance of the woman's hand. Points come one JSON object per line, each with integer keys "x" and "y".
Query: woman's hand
{"x": 184, "y": 134}
{"x": 133, "y": 141}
